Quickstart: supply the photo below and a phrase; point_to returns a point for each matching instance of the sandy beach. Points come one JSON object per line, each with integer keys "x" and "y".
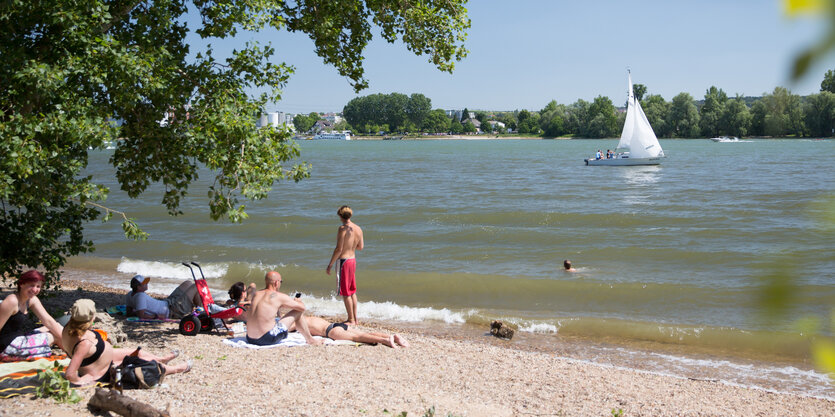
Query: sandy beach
{"x": 459, "y": 378}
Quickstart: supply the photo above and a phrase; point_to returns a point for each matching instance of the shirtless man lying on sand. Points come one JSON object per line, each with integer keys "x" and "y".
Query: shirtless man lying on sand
{"x": 263, "y": 327}
{"x": 341, "y": 331}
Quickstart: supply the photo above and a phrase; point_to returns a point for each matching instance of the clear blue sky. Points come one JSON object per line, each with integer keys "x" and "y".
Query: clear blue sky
{"x": 524, "y": 54}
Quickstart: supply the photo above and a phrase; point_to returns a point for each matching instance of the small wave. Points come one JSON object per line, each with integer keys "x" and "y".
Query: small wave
{"x": 539, "y": 328}
{"x": 172, "y": 270}
{"x": 391, "y": 311}
{"x": 386, "y": 311}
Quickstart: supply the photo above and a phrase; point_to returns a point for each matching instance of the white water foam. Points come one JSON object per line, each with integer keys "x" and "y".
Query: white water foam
{"x": 543, "y": 328}
{"x": 384, "y": 311}
{"x": 173, "y": 270}
{"x": 679, "y": 332}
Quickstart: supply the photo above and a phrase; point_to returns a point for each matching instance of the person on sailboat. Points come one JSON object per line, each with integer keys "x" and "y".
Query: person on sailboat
{"x": 598, "y": 155}
{"x": 609, "y": 154}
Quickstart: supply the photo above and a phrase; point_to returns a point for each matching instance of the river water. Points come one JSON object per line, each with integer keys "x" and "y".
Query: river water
{"x": 671, "y": 259}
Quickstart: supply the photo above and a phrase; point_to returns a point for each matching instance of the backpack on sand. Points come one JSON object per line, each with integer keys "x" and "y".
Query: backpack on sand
{"x": 139, "y": 373}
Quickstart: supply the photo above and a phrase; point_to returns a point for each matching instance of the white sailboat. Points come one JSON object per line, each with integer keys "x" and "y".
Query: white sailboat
{"x": 638, "y": 144}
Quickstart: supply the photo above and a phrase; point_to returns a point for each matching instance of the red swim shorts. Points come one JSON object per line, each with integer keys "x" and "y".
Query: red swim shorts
{"x": 345, "y": 280}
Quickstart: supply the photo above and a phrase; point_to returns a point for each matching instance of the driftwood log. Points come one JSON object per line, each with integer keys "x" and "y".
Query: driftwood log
{"x": 501, "y": 330}
{"x": 110, "y": 400}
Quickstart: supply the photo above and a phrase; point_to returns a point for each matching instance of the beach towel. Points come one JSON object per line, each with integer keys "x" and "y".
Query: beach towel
{"x": 15, "y": 384}
{"x": 137, "y": 320}
{"x": 31, "y": 365}
{"x": 120, "y": 309}
{"x": 21, "y": 378}
{"x": 293, "y": 339}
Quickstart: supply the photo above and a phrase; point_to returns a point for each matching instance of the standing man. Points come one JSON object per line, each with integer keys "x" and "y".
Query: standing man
{"x": 348, "y": 241}
{"x": 263, "y": 328}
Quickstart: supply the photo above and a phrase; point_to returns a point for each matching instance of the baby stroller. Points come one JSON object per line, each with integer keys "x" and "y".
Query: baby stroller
{"x": 205, "y": 320}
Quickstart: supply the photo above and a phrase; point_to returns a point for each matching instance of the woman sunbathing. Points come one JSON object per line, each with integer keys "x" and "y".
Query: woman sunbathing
{"x": 342, "y": 331}
{"x": 15, "y": 341}
{"x": 92, "y": 356}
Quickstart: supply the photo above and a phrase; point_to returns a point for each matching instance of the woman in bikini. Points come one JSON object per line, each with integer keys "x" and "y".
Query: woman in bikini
{"x": 92, "y": 356}
{"x": 15, "y": 340}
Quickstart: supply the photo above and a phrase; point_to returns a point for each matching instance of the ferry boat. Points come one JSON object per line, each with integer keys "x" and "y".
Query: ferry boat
{"x": 333, "y": 136}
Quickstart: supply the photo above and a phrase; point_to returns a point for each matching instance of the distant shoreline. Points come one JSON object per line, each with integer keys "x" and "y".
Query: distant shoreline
{"x": 452, "y": 137}
{"x": 495, "y": 137}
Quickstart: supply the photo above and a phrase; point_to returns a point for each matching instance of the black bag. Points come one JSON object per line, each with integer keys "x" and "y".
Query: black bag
{"x": 139, "y": 373}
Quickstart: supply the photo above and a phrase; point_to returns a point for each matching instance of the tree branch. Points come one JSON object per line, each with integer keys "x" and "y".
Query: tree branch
{"x": 107, "y": 209}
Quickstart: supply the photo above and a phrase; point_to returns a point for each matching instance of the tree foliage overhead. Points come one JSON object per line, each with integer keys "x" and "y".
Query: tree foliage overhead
{"x": 77, "y": 74}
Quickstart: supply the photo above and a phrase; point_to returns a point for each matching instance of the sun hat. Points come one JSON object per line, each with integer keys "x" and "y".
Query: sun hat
{"x": 83, "y": 310}
{"x": 138, "y": 280}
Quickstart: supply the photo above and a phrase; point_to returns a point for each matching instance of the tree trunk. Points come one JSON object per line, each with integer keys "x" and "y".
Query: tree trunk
{"x": 110, "y": 400}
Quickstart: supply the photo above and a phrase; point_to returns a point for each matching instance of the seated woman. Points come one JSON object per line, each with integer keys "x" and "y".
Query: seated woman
{"x": 239, "y": 296}
{"x": 15, "y": 340}
{"x": 92, "y": 357}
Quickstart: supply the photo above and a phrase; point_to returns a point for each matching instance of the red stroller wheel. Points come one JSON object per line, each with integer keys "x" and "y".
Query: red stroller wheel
{"x": 189, "y": 325}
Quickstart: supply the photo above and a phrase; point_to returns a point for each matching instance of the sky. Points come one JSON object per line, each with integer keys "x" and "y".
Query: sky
{"x": 524, "y": 54}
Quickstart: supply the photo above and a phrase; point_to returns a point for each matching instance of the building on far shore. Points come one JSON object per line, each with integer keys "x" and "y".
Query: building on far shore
{"x": 276, "y": 119}
{"x": 333, "y": 118}
{"x": 501, "y": 126}
{"x": 459, "y": 115}
{"x": 321, "y": 125}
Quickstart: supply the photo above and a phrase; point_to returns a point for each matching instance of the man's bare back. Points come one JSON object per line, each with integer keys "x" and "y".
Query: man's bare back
{"x": 351, "y": 236}
{"x": 263, "y": 312}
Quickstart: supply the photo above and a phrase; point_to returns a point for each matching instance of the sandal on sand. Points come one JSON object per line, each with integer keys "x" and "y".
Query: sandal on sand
{"x": 176, "y": 353}
{"x": 188, "y": 368}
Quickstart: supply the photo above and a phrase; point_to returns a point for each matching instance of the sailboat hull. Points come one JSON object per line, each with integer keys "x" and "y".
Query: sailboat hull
{"x": 617, "y": 162}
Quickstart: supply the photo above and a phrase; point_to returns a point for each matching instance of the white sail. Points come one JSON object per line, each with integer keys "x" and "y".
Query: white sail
{"x": 638, "y": 136}
{"x": 629, "y": 123}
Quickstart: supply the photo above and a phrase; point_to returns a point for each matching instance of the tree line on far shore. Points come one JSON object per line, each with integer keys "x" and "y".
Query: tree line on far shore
{"x": 778, "y": 114}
